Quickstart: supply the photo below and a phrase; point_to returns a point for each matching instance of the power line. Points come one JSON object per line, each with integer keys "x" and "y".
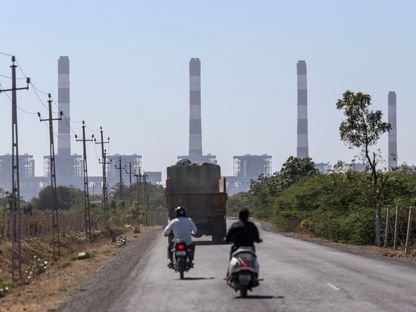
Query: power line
{"x": 4, "y": 76}
{"x": 25, "y": 111}
{"x": 40, "y": 100}
{"x": 5, "y": 54}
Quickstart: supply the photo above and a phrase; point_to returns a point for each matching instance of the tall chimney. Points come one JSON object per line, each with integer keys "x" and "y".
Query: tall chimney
{"x": 393, "y": 132}
{"x": 64, "y": 138}
{"x": 195, "y": 133}
{"x": 302, "y": 147}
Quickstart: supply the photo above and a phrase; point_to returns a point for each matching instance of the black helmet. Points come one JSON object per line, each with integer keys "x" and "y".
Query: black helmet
{"x": 243, "y": 214}
{"x": 180, "y": 212}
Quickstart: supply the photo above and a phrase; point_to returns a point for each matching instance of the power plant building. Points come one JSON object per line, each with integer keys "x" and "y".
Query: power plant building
{"x": 26, "y": 166}
{"x": 392, "y": 136}
{"x": 246, "y": 169}
{"x": 114, "y": 173}
{"x": 195, "y": 125}
{"x": 67, "y": 165}
{"x": 302, "y": 124}
{"x": 64, "y": 126}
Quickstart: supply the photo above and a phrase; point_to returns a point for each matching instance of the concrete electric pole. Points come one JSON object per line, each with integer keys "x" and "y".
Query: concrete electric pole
{"x": 52, "y": 168}
{"x": 104, "y": 162}
{"x": 16, "y": 266}
{"x": 120, "y": 168}
{"x": 87, "y": 212}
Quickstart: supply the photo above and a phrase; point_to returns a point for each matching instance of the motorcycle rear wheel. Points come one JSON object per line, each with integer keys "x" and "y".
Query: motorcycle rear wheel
{"x": 181, "y": 269}
{"x": 243, "y": 292}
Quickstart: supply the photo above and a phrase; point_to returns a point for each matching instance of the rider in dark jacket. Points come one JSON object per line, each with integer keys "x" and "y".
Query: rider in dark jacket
{"x": 243, "y": 233}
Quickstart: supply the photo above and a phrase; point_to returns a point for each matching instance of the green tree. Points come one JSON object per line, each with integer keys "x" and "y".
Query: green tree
{"x": 264, "y": 190}
{"x": 67, "y": 198}
{"x": 296, "y": 168}
{"x": 362, "y": 128}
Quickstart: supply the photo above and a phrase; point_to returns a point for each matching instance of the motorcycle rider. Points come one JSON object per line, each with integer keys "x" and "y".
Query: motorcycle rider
{"x": 182, "y": 228}
{"x": 243, "y": 233}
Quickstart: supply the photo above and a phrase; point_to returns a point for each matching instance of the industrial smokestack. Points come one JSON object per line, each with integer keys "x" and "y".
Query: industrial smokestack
{"x": 64, "y": 138}
{"x": 302, "y": 147}
{"x": 393, "y": 132}
{"x": 195, "y": 132}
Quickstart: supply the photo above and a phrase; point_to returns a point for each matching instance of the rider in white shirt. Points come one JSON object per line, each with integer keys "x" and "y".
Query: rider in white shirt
{"x": 182, "y": 229}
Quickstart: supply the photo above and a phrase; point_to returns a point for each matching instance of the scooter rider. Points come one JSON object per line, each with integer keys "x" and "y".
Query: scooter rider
{"x": 182, "y": 228}
{"x": 243, "y": 233}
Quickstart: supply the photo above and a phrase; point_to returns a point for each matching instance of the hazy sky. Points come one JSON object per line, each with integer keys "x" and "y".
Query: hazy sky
{"x": 129, "y": 73}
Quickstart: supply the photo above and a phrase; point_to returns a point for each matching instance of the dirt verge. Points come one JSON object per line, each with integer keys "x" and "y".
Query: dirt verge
{"x": 53, "y": 288}
{"x": 105, "y": 285}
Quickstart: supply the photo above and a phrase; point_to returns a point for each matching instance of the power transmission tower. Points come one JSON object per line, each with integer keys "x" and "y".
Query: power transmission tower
{"x": 87, "y": 212}
{"x": 16, "y": 266}
{"x": 120, "y": 168}
{"x": 130, "y": 172}
{"x": 55, "y": 222}
{"x": 104, "y": 162}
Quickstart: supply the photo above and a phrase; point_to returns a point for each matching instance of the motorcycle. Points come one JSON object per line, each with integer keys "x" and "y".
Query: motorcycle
{"x": 243, "y": 270}
{"x": 181, "y": 257}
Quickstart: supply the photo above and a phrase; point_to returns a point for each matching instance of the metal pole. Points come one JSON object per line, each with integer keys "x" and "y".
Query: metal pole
{"x": 386, "y": 232}
{"x": 146, "y": 197}
{"x": 130, "y": 172}
{"x": 409, "y": 226}
{"x": 55, "y": 212}
{"x": 120, "y": 168}
{"x": 396, "y": 223}
{"x": 87, "y": 212}
{"x": 16, "y": 231}
{"x": 104, "y": 199}
{"x": 16, "y": 265}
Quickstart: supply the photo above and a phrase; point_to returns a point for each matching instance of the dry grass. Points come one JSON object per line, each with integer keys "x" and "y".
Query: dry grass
{"x": 47, "y": 291}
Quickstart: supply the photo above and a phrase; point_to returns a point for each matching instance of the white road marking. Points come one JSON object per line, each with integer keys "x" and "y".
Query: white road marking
{"x": 333, "y": 286}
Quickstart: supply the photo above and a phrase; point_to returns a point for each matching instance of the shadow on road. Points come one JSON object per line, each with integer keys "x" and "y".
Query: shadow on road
{"x": 260, "y": 297}
{"x": 196, "y": 278}
{"x": 208, "y": 243}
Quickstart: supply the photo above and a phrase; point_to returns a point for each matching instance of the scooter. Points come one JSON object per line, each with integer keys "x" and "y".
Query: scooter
{"x": 243, "y": 271}
{"x": 181, "y": 257}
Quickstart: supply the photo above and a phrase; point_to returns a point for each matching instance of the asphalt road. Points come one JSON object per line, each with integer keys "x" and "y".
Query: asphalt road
{"x": 298, "y": 276}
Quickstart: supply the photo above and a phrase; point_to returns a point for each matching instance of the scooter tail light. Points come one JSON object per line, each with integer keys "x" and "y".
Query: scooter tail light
{"x": 245, "y": 264}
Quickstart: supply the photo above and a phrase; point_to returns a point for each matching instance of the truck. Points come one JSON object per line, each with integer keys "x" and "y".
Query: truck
{"x": 201, "y": 190}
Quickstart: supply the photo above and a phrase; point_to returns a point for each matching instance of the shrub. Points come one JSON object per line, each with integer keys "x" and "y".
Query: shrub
{"x": 38, "y": 266}
{"x": 4, "y": 288}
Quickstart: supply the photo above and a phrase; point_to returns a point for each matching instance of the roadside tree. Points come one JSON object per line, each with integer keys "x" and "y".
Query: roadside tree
{"x": 362, "y": 128}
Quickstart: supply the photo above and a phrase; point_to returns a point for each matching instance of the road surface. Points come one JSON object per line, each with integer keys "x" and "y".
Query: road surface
{"x": 298, "y": 276}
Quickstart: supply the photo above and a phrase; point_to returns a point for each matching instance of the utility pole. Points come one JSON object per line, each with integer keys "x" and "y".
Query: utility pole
{"x": 16, "y": 266}
{"x": 146, "y": 196}
{"x": 138, "y": 177}
{"x": 87, "y": 212}
{"x": 130, "y": 172}
{"x": 120, "y": 168}
{"x": 55, "y": 213}
{"x": 104, "y": 200}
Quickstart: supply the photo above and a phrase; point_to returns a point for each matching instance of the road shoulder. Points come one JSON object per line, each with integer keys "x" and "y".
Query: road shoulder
{"x": 373, "y": 252}
{"x": 107, "y": 284}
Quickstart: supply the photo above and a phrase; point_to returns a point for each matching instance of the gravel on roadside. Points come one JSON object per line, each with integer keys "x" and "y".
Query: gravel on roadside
{"x": 111, "y": 278}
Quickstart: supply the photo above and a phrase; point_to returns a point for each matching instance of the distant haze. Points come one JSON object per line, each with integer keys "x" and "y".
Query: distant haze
{"x": 129, "y": 73}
